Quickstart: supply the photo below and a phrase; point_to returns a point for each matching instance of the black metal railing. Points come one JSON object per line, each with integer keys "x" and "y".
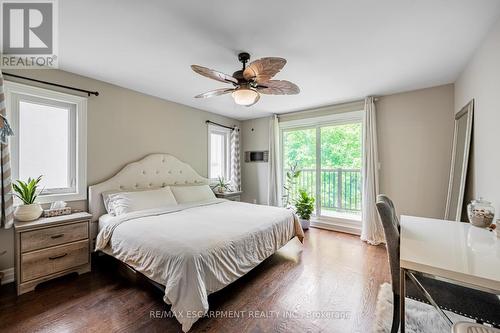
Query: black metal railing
{"x": 340, "y": 189}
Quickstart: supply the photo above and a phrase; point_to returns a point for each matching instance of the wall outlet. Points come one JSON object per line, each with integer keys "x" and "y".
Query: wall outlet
{"x": 254, "y": 201}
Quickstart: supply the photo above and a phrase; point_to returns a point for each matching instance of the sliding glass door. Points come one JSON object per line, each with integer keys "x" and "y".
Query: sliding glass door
{"x": 325, "y": 160}
{"x": 299, "y": 151}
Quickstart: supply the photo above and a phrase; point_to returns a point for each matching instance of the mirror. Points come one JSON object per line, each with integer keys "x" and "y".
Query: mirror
{"x": 459, "y": 162}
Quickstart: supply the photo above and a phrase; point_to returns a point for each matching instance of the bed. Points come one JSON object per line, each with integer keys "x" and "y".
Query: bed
{"x": 192, "y": 248}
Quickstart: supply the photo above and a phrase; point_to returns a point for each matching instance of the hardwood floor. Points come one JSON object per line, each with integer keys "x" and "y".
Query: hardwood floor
{"x": 328, "y": 285}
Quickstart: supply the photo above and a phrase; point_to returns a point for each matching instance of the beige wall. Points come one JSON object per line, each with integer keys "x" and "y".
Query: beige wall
{"x": 415, "y": 135}
{"x": 481, "y": 80}
{"x": 415, "y": 132}
{"x": 123, "y": 126}
{"x": 255, "y": 176}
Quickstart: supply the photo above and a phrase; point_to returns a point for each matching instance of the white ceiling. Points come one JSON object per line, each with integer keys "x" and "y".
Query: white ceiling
{"x": 337, "y": 50}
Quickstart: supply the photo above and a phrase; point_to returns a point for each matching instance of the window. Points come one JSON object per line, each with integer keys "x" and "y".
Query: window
{"x": 327, "y": 153}
{"x": 49, "y": 140}
{"x": 219, "y": 152}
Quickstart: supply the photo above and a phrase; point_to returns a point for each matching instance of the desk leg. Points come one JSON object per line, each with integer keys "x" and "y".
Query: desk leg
{"x": 402, "y": 293}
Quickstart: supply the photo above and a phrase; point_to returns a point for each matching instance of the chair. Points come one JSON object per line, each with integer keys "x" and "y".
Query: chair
{"x": 477, "y": 305}
{"x": 465, "y": 327}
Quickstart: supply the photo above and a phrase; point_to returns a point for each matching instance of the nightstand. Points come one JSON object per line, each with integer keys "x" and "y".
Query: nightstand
{"x": 51, "y": 247}
{"x": 233, "y": 196}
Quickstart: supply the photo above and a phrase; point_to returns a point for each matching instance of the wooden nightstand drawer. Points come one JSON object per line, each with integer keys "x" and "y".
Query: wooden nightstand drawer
{"x": 51, "y": 247}
{"x": 47, "y": 237}
{"x": 55, "y": 259}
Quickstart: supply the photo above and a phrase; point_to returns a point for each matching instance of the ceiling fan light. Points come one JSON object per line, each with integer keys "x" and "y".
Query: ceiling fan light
{"x": 245, "y": 96}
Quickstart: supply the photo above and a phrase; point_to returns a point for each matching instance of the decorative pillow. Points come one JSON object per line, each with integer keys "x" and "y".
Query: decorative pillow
{"x": 126, "y": 202}
{"x": 186, "y": 194}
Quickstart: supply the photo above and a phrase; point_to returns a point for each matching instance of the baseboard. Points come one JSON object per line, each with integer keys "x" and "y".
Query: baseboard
{"x": 8, "y": 275}
{"x": 341, "y": 227}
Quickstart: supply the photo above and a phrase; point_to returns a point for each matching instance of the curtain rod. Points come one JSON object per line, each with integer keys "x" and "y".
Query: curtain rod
{"x": 96, "y": 93}
{"x": 220, "y": 125}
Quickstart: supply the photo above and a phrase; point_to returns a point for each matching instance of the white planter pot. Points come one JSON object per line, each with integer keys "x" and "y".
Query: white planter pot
{"x": 305, "y": 224}
{"x": 26, "y": 213}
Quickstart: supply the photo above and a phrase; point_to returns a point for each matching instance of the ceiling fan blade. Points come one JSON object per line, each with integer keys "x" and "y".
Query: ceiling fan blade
{"x": 263, "y": 69}
{"x": 278, "y": 87}
{"x": 216, "y": 92}
{"x": 213, "y": 74}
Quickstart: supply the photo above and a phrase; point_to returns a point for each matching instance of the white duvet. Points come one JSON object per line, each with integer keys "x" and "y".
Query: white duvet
{"x": 197, "y": 249}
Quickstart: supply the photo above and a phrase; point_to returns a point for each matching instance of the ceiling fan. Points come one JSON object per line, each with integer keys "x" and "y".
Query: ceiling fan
{"x": 249, "y": 82}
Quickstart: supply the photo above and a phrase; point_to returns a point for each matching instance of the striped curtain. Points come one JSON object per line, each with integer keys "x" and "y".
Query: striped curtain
{"x": 274, "y": 168}
{"x": 6, "y": 199}
{"x": 235, "y": 159}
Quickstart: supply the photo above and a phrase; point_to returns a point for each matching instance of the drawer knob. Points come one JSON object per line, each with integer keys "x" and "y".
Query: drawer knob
{"x": 58, "y": 256}
{"x": 56, "y": 236}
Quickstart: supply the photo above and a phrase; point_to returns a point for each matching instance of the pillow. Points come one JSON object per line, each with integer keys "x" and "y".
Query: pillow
{"x": 106, "y": 195}
{"x": 186, "y": 194}
{"x": 105, "y": 199}
{"x": 125, "y": 202}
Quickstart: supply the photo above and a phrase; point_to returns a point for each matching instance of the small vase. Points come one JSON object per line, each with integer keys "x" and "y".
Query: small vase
{"x": 305, "y": 224}
{"x": 25, "y": 213}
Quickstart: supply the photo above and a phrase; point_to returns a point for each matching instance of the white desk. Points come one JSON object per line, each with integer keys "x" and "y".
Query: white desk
{"x": 456, "y": 252}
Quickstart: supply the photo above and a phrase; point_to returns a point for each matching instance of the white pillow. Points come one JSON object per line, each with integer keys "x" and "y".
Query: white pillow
{"x": 186, "y": 194}
{"x": 105, "y": 199}
{"x": 126, "y": 202}
{"x": 106, "y": 195}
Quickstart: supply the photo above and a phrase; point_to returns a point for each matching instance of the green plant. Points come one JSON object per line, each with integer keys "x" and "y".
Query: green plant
{"x": 27, "y": 191}
{"x": 222, "y": 184}
{"x": 304, "y": 205}
{"x": 291, "y": 179}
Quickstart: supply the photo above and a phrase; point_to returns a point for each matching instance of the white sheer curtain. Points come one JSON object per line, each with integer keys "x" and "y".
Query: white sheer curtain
{"x": 371, "y": 231}
{"x": 235, "y": 159}
{"x": 273, "y": 189}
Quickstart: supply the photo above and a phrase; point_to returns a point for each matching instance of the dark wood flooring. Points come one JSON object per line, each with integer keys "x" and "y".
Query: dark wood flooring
{"x": 329, "y": 285}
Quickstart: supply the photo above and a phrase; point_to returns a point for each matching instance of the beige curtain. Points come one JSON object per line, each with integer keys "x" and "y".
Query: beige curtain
{"x": 235, "y": 159}
{"x": 6, "y": 199}
{"x": 274, "y": 187}
{"x": 371, "y": 230}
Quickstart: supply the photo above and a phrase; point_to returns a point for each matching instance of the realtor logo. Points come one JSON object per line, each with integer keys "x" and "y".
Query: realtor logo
{"x": 28, "y": 34}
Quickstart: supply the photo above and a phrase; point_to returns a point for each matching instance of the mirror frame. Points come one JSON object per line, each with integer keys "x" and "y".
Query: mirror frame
{"x": 466, "y": 111}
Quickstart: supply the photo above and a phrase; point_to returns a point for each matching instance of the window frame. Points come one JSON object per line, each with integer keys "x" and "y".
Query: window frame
{"x": 227, "y": 151}
{"x": 77, "y": 155}
{"x": 342, "y": 224}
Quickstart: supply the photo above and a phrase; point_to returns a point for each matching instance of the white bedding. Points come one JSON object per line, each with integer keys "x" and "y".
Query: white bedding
{"x": 197, "y": 249}
{"x": 104, "y": 221}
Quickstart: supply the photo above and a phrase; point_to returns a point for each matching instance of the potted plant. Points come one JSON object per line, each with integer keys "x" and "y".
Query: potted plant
{"x": 304, "y": 206}
{"x": 291, "y": 180}
{"x": 222, "y": 185}
{"x": 27, "y": 192}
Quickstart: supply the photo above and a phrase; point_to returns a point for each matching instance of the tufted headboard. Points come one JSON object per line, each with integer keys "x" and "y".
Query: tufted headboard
{"x": 153, "y": 171}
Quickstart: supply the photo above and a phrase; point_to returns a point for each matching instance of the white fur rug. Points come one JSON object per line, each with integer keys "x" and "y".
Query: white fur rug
{"x": 420, "y": 317}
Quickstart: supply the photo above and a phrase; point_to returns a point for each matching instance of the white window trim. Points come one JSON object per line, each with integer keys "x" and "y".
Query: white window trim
{"x": 333, "y": 119}
{"x": 80, "y": 103}
{"x": 326, "y": 222}
{"x": 227, "y": 153}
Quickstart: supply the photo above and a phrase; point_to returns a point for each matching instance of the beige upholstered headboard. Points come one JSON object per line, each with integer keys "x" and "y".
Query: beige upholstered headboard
{"x": 153, "y": 171}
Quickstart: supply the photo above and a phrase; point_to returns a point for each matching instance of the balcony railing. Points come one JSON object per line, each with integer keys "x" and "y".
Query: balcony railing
{"x": 340, "y": 188}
